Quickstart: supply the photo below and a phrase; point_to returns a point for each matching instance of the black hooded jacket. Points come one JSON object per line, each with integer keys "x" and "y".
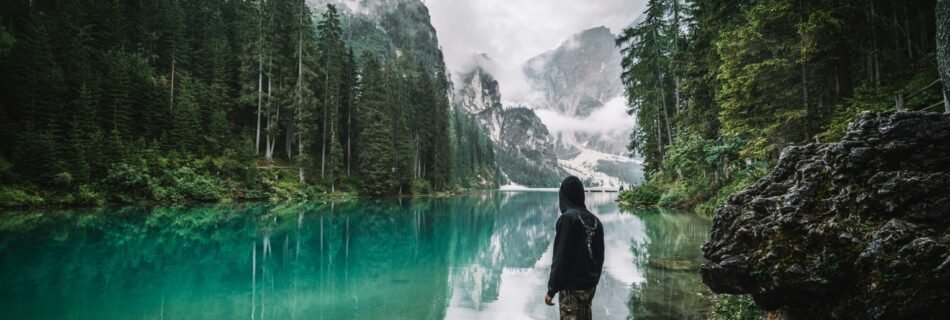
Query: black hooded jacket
{"x": 579, "y": 243}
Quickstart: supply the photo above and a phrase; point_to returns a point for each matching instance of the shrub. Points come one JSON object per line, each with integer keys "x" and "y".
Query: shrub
{"x": 645, "y": 195}
{"x": 421, "y": 186}
{"x": 126, "y": 183}
{"x": 187, "y": 184}
{"x": 63, "y": 180}
{"x": 730, "y": 307}
{"x": 87, "y": 195}
{"x": 14, "y": 196}
{"x": 672, "y": 197}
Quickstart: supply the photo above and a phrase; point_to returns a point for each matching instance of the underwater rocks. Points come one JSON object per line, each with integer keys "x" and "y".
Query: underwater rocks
{"x": 848, "y": 230}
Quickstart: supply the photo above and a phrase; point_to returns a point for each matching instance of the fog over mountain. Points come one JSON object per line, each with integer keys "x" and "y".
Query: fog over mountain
{"x": 513, "y": 31}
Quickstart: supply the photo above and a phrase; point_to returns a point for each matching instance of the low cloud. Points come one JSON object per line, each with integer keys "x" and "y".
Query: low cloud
{"x": 610, "y": 118}
{"x": 512, "y": 31}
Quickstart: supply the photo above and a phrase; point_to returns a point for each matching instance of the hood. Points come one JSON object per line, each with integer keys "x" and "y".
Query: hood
{"x": 571, "y": 195}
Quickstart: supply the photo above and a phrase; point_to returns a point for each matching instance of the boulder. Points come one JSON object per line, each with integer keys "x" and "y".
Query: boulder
{"x": 850, "y": 230}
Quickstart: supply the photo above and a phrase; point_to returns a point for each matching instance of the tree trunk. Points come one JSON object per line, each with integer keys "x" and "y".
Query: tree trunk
{"x": 676, "y": 36}
{"x": 943, "y": 48}
{"x": 289, "y": 142}
{"x": 299, "y": 100}
{"x": 268, "y": 154}
{"x": 666, "y": 116}
{"x": 897, "y": 30}
{"x": 679, "y": 100}
{"x": 260, "y": 98}
{"x": 809, "y": 113}
{"x": 260, "y": 76}
{"x": 845, "y": 83}
{"x": 922, "y": 28}
{"x": 273, "y": 141}
{"x": 333, "y": 176}
{"x": 349, "y": 133}
{"x": 659, "y": 134}
{"x": 876, "y": 53}
{"x": 326, "y": 105}
{"x": 910, "y": 42}
{"x": 171, "y": 99}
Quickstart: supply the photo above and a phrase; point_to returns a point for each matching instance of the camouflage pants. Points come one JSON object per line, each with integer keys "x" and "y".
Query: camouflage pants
{"x": 575, "y": 304}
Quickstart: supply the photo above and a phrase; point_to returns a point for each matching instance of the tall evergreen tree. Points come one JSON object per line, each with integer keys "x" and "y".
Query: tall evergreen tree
{"x": 331, "y": 50}
{"x": 376, "y": 130}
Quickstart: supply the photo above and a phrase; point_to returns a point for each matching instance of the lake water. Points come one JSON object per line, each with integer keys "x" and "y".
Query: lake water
{"x": 480, "y": 256}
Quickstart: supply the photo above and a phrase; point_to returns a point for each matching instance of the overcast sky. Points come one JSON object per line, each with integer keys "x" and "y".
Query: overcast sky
{"x": 512, "y": 31}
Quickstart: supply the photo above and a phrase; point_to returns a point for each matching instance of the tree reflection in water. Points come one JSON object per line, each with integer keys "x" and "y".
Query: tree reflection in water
{"x": 476, "y": 256}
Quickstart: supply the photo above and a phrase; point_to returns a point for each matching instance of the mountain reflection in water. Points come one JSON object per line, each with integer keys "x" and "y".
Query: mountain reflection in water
{"x": 480, "y": 256}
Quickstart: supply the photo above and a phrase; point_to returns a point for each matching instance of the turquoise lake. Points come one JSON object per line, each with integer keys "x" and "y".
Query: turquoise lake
{"x": 478, "y": 256}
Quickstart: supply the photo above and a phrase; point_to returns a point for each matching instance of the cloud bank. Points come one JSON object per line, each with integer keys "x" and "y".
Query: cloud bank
{"x": 612, "y": 117}
{"x": 512, "y": 31}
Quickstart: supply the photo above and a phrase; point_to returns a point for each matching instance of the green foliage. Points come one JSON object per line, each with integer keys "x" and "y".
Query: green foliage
{"x": 764, "y": 93}
{"x": 646, "y": 195}
{"x": 16, "y": 196}
{"x": 421, "y": 186}
{"x": 730, "y": 307}
{"x": 87, "y": 195}
{"x": 474, "y": 154}
{"x": 868, "y": 97}
{"x": 697, "y": 173}
{"x": 126, "y": 183}
{"x": 375, "y": 143}
{"x": 716, "y": 101}
{"x": 648, "y": 76}
{"x": 672, "y": 196}
{"x": 187, "y": 184}
{"x": 180, "y": 101}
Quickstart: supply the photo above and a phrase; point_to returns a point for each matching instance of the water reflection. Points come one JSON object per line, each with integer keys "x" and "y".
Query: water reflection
{"x": 483, "y": 256}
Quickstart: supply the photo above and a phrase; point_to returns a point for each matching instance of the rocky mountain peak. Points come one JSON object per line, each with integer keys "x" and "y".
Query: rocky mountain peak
{"x": 580, "y": 75}
{"x": 525, "y": 151}
{"x": 576, "y": 80}
{"x": 479, "y": 92}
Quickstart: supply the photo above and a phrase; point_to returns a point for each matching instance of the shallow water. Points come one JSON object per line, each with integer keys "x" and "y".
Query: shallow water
{"x": 481, "y": 256}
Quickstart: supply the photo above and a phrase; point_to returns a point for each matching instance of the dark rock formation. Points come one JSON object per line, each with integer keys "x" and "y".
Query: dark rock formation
{"x": 849, "y": 230}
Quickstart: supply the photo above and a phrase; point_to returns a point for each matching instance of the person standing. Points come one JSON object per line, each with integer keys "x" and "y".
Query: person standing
{"x": 578, "y": 254}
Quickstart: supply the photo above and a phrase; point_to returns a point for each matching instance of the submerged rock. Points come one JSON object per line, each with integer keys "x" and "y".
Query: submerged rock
{"x": 672, "y": 264}
{"x": 849, "y": 230}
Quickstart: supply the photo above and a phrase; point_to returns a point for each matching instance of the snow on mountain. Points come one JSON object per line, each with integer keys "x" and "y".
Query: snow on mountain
{"x": 524, "y": 146}
{"x": 602, "y": 169}
{"x": 584, "y": 107}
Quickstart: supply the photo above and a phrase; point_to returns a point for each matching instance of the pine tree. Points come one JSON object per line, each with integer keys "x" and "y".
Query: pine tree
{"x": 117, "y": 107}
{"x": 376, "y": 130}
{"x": 349, "y": 125}
{"x": 443, "y": 171}
{"x": 305, "y": 101}
{"x": 771, "y": 76}
{"x": 186, "y": 124}
{"x": 646, "y": 72}
{"x": 330, "y": 47}
{"x": 398, "y": 106}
